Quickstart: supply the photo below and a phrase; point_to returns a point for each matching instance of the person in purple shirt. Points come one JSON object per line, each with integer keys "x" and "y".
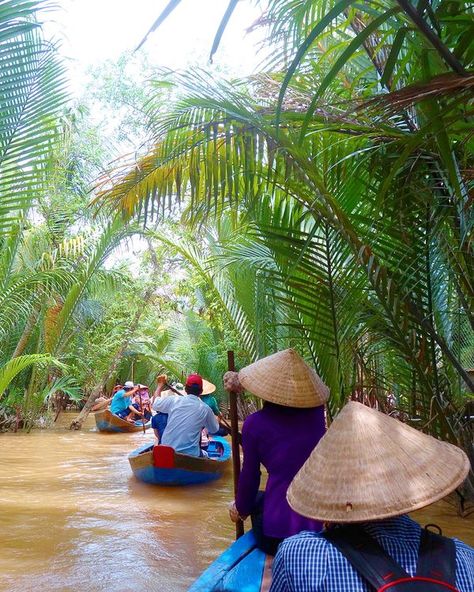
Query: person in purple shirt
{"x": 280, "y": 437}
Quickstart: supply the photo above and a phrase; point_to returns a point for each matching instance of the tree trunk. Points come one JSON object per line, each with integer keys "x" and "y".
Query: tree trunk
{"x": 29, "y": 325}
{"x": 78, "y": 422}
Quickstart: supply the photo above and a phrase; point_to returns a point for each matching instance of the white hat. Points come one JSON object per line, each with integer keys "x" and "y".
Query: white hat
{"x": 129, "y": 384}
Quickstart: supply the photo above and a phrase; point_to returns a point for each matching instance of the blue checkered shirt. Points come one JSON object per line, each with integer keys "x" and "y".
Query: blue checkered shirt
{"x": 307, "y": 562}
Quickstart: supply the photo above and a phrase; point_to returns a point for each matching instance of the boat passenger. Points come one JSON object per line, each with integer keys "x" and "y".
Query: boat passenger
{"x": 207, "y": 389}
{"x": 121, "y": 404}
{"x": 367, "y": 473}
{"x": 159, "y": 420}
{"x": 141, "y": 401}
{"x": 280, "y": 437}
{"x": 187, "y": 416}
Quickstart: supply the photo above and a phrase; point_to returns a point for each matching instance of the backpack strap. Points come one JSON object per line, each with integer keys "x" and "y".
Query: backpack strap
{"x": 366, "y": 555}
{"x": 437, "y": 557}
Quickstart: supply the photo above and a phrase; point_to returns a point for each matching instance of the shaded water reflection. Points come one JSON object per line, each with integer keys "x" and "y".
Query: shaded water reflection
{"x": 74, "y": 517}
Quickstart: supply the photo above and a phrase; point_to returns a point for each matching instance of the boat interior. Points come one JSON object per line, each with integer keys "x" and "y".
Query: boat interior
{"x": 214, "y": 450}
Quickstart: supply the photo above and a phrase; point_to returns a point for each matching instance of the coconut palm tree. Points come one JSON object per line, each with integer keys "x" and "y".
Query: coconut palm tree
{"x": 32, "y": 95}
{"x": 361, "y": 132}
{"x": 48, "y": 269}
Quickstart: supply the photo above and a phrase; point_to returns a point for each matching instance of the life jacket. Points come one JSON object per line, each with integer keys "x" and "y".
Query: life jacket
{"x": 435, "y": 570}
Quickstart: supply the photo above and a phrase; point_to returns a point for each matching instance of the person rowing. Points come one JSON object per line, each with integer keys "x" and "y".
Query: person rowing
{"x": 163, "y": 389}
{"x": 141, "y": 401}
{"x": 362, "y": 479}
{"x": 207, "y": 397}
{"x": 186, "y": 416}
{"x": 122, "y": 403}
{"x": 280, "y": 437}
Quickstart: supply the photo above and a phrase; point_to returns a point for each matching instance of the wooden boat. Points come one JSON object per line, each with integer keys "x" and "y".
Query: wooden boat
{"x": 241, "y": 567}
{"x": 161, "y": 465}
{"x": 106, "y": 421}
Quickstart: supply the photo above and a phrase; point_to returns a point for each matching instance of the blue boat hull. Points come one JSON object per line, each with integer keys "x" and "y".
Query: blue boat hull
{"x": 239, "y": 569}
{"x": 156, "y": 476}
{"x": 186, "y": 470}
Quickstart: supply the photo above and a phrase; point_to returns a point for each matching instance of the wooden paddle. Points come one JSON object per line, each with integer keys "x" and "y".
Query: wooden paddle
{"x": 143, "y": 411}
{"x": 234, "y": 425}
{"x": 171, "y": 388}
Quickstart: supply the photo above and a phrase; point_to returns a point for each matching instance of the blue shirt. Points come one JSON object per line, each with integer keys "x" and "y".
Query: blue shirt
{"x": 187, "y": 416}
{"x": 307, "y": 562}
{"x": 120, "y": 401}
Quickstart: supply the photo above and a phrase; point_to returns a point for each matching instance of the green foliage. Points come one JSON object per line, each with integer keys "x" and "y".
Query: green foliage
{"x": 66, "y": 385}
{"x": 117, "y": 95}
{"x": 9, "y": 370}
{"x": 345, "y": 180}
{"x": 324, "y": 205}
{"x": 52, "y": 253}
{"x": 32, "y": 81}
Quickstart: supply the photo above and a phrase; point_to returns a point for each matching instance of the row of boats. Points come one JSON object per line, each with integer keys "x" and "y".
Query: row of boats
{"x": 242, "y": 566}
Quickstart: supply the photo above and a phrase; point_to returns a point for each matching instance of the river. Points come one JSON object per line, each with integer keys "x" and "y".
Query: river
{"x": 73, "y": 517}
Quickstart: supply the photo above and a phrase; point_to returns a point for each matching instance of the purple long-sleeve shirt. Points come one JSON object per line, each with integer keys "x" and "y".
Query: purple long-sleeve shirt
{"x": 281, "y": 439}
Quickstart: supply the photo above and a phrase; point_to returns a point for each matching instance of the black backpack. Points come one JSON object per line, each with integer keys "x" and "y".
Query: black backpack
{"x": 435, "y": 570}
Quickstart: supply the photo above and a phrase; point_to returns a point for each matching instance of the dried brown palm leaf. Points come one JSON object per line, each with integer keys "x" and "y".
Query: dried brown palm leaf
{"x": 444, "y": 85}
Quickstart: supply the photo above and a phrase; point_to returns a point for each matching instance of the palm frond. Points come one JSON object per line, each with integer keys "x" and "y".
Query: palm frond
{"x": 32, "y": 90}
{"x": 16, "y": 365}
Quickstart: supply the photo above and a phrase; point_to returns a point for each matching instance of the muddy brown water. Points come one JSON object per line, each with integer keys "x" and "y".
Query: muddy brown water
{"x": 73, "y": 517}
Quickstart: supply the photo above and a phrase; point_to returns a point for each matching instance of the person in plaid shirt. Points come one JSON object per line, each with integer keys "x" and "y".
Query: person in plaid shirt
{"x": 372, "y": 470}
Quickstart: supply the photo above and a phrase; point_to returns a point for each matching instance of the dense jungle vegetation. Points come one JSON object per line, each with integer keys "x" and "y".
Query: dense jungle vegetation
{"x": 324, "y": 203}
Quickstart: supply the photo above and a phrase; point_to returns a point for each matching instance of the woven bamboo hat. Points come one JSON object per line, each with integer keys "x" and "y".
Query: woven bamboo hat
{"x": 198, "y": 381}
{"x": 286, "y": 379}
{"x": 370, "y": 466}
{"x": 207, "y": 387}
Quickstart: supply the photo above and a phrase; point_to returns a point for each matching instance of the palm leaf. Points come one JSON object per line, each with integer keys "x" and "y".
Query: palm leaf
{"x": 16, "y": 365}
{"x": 108, "y": 240}
{"x": 172, "y": 4}
{"x": 32, "y": 91}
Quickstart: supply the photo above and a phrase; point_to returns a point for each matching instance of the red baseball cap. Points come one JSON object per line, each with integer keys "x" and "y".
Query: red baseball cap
{"x": 194, "y": 379}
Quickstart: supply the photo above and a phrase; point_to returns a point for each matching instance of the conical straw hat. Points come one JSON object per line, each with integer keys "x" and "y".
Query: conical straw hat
{"x": 286, "y": 379}
{"x": 207, "y": 387}
{"x": 370, "y": 466}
